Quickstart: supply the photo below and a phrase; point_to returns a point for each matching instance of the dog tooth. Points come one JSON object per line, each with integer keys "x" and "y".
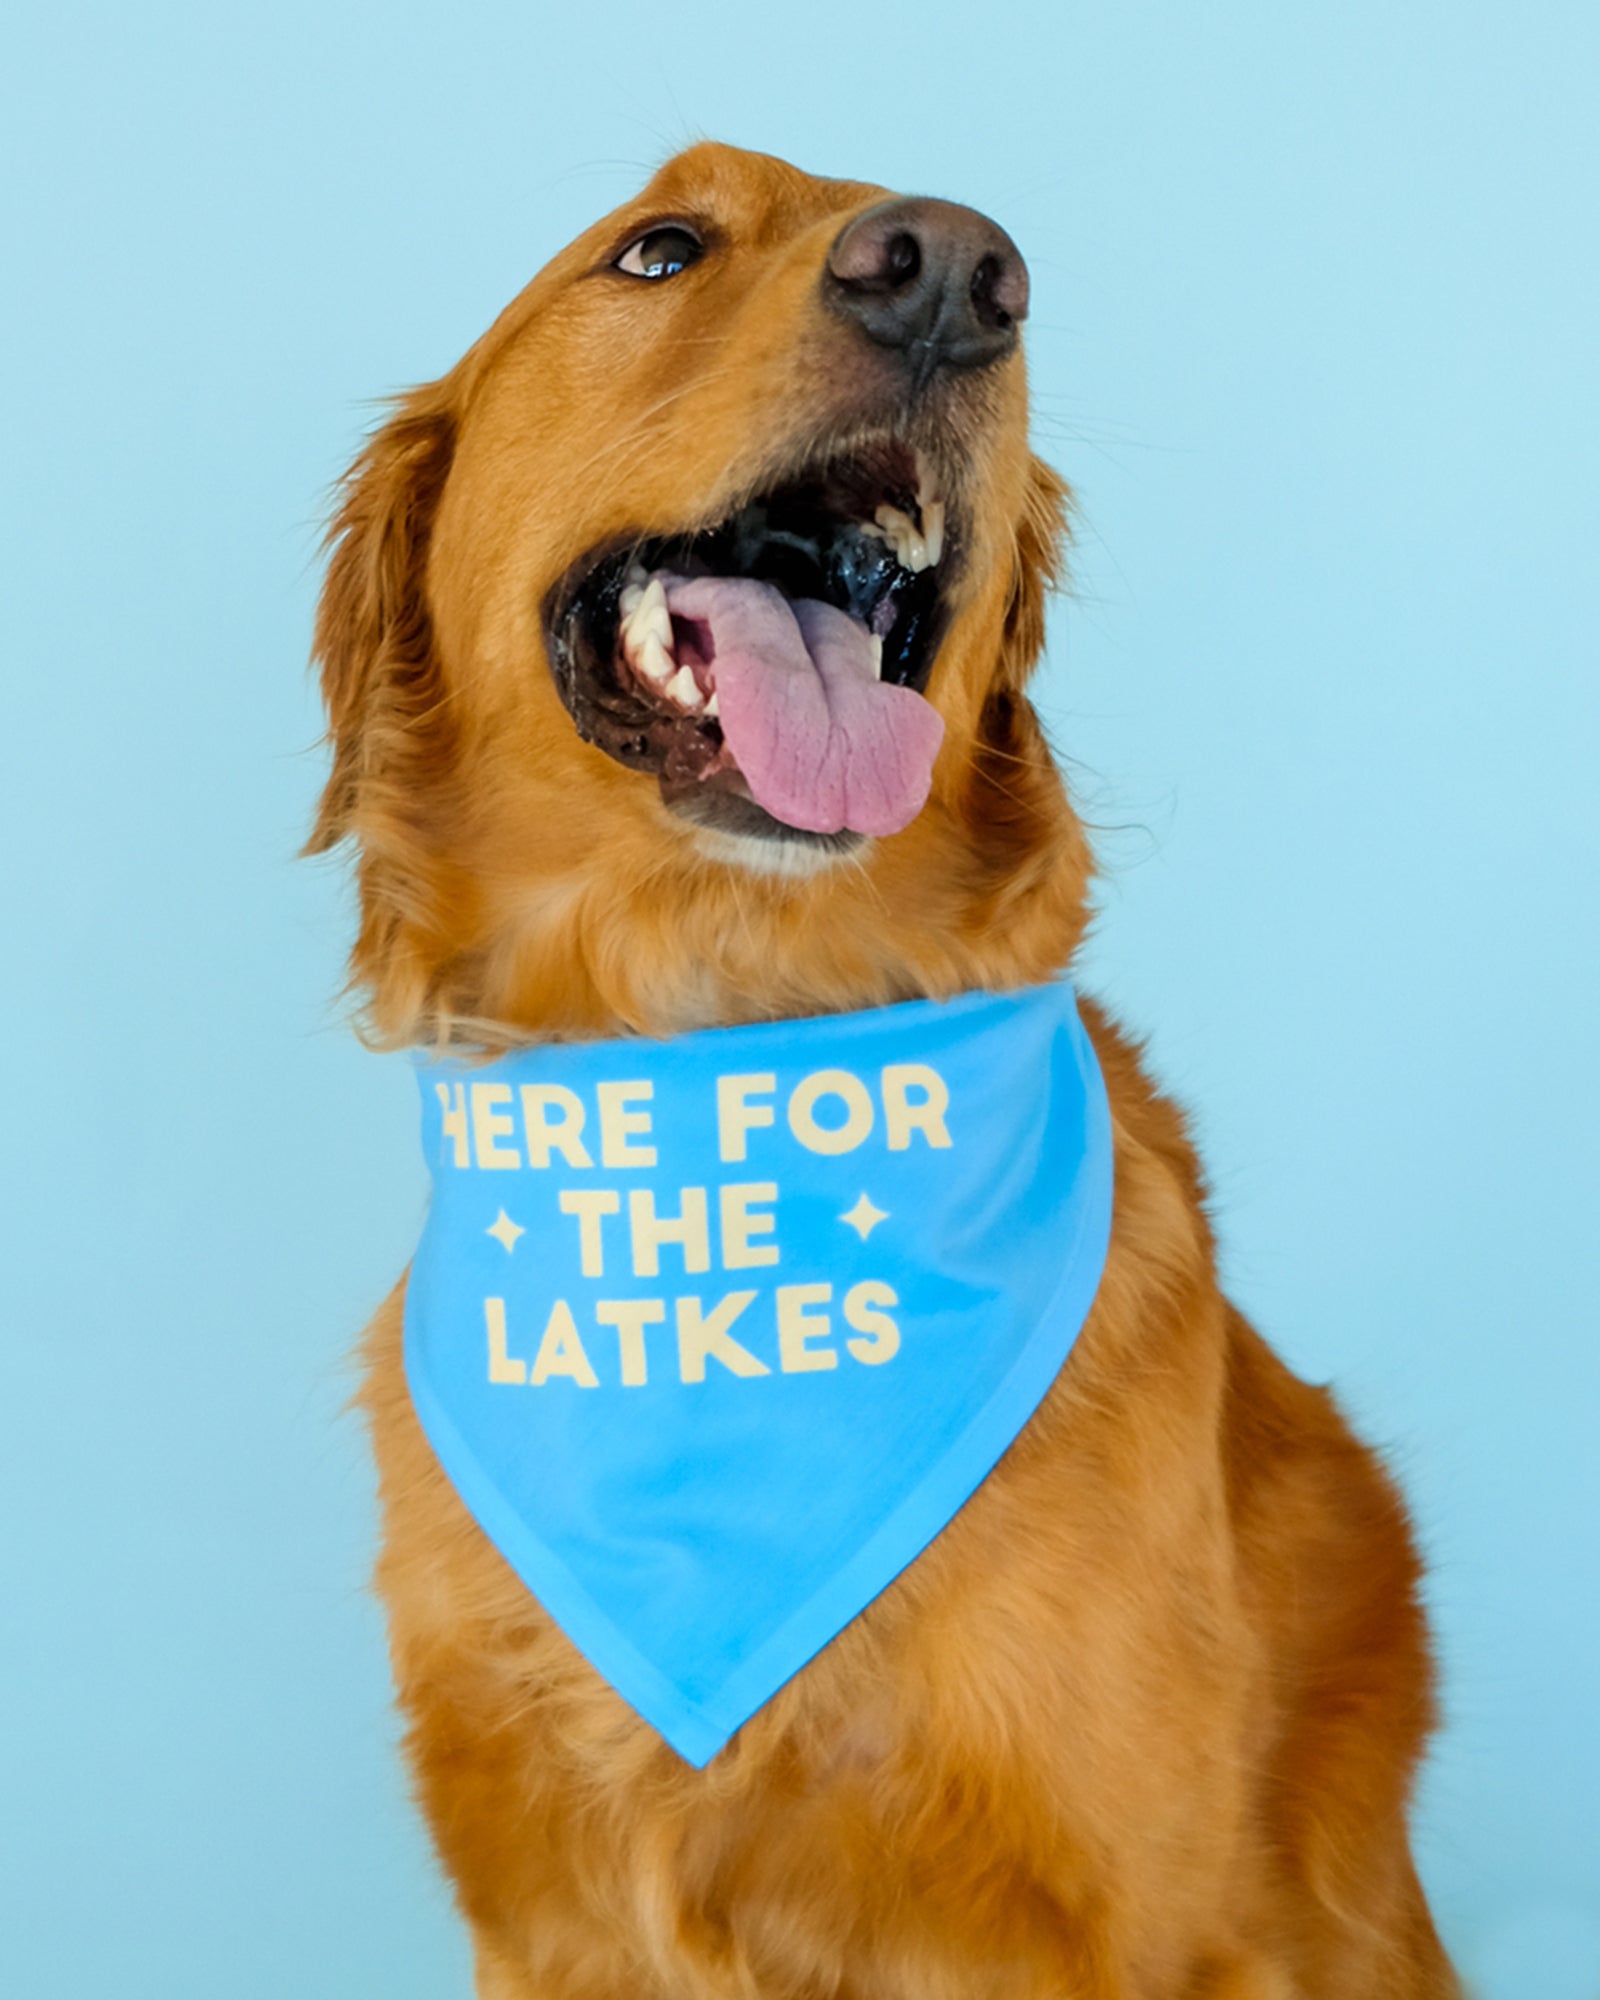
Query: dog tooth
{"x": 683, "y": 688}
{"x": 652, "y": 615}
{"x": 644, "y": 614}
{"x": 654, "y": 661}
{"x": 900, "y": 531}
{"x": 933, "y": 530}
{"x": 644, "y": 609}
{"x": 877, "y": 657}
{"x": 711, "y": 704}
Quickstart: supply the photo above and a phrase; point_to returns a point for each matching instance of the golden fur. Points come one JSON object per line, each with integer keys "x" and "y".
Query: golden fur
{"x": 1141, "y": 1722}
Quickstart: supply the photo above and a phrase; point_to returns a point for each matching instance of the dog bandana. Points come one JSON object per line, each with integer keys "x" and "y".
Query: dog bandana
{"x": 714, "y": 1335}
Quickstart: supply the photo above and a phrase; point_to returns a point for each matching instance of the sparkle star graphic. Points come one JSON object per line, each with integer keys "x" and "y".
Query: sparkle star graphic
{"x": 864, "y": 1217}
{"x": 505, "y": 1231}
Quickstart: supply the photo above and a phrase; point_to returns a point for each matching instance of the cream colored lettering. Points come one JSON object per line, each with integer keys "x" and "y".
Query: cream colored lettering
{"x": 737, "y": 1116}
{"x": 490, "y": 1125}
{"x": 589, "y": 1205}
{"x": 503, "y": 1367}
{"x": 903, "y": 1114}
{"x": 561, "y": 1351}
{"x": 453, "y": 1119}
{"x": 799, "y": 1326}
{"x": 619, "y": 1125}
{"x": 740, "y": 1222}
{"x": 863, "y": 1308}
{"x": 705, "y": 1337}
{"x": 690, "y": 1229}
{"x": 630, "y": 1317}
{"x": 552, "y": 1121}
{"x": 829, "y": 1140}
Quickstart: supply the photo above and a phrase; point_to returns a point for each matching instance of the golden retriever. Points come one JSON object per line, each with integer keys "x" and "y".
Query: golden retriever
{"x": 1142, "y": 1720}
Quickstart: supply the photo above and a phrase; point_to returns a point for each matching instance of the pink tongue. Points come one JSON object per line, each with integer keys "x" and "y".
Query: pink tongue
{"x": 822, "y": 742}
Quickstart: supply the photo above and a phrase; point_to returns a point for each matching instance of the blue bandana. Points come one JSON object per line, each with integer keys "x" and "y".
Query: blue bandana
{"x": 714, "y": 1335}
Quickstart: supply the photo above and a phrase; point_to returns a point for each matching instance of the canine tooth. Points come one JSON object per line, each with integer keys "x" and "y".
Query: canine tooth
{"x": 900, "y": 531}
{"x": 877, "y": 657}
{"x": 654, "y": 661}
{"x": 933, "y": 529}
{"x": 653, "y": 615}
{"x": 683, "y": 688}
{"x": 711, "y": 704}
{"x": 645, "y": 617}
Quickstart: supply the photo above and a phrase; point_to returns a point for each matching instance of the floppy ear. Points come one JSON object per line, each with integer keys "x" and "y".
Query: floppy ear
{"x": 1017, "y": 811}
{"x": 374, "y": 633}
{"x": 1040, "y": 562}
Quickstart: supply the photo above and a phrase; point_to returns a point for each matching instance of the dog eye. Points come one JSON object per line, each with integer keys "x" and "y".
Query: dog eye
{"x": 661, "y": 252}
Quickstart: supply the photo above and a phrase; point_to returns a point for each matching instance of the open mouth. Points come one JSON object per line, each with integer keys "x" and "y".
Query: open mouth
{"x": 769, "y": 668}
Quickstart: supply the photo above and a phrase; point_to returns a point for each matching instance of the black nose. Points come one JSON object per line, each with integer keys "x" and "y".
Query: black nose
{"x": 942, "y": 284}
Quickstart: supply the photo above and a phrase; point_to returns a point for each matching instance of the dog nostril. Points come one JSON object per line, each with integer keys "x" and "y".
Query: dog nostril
{"x": 902, "y": 258}
{"x": 985, "y": 285}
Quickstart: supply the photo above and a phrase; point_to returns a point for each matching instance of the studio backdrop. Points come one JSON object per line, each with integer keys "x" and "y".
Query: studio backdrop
{"x": 1313, "y": 338}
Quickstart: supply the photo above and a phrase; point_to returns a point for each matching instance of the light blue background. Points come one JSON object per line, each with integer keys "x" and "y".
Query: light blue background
{"x": 1314, "y": 336}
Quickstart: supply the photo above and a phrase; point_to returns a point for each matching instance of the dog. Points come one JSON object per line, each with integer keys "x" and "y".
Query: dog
{"x": 1142, "y": 1720}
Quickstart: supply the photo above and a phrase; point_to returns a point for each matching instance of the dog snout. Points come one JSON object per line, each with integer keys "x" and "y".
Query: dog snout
{"x": 941, "y": 285}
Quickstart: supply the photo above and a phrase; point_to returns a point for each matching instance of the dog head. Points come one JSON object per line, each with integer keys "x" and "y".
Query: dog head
{"x": 674, "y": 643}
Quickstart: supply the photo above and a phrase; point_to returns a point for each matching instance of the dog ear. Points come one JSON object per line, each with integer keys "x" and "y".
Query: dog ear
{"x": 1041, "y": 537}
{"x": 1017, "y": 813}
{"x": 373, "y": 639}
